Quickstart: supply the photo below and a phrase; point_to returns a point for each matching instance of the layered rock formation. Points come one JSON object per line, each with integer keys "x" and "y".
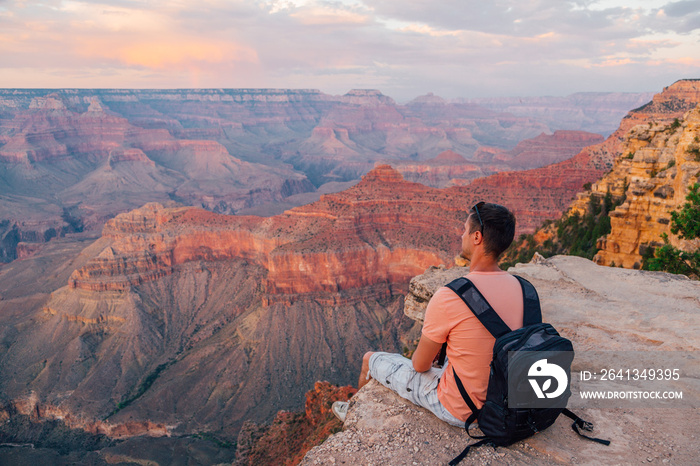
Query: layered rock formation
{"x": 566, "y": 179}
{"x": 661, "y": 162}
{"x": 199, "y": 321}
{"x": 548, "y": 149}
{"x": 312, "y": 249}
{"x": 291, "y": 435}
{"x": 673, "y": 102}
{"x": 603, "y": 311}
{"x": 95, "y": 153}
{"x": 33, "y": 439}
{"x": 587, "y": 111}
{"x": 450, "y": 168}
{"x": 36, "y": 412}
{"x": 653, "y": 163}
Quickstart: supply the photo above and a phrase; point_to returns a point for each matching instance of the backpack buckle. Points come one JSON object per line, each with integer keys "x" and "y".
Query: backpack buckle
{"x": 531, "y": 424}
{"x": 585, "y": 425}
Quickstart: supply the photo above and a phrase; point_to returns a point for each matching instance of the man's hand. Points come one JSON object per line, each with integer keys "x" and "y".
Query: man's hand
{"x": 425, "y": 354}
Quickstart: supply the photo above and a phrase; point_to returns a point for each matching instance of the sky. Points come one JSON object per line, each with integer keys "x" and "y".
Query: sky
{"x": 405, "y": 48}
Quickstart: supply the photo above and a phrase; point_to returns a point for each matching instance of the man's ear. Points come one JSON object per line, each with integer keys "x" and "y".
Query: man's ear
{"x": 478, "y": 237}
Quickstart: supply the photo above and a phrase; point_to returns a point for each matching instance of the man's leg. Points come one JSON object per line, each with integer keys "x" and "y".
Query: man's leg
{"x": 420, "y": 388}
{"x": 364, "y": 378}
{"x": 340, "y": 408}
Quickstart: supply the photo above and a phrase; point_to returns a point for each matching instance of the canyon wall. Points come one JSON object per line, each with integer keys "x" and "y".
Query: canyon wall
{"x": 655, "y": 163}
{"x": 374, "y": 226}
{"x": 450, "y": 168}
{"x": 565, "y": 180}
{"x": 595, "y": 112}
{"x": 198, "y": 321}
{"x": 653, "y": 177}
{"x": 539, "y": 194}
{"x": 72, "y": 159}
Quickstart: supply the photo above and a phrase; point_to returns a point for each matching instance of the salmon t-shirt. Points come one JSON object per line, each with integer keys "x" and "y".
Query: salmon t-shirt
{"x": 469, "y": 344}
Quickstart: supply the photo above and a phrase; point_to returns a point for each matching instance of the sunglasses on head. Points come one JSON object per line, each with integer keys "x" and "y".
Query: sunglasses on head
{"x": 478, "y": 215}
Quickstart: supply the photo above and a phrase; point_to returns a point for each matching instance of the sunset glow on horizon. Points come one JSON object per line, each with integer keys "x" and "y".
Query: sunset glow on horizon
{"x": 452, "y": 48}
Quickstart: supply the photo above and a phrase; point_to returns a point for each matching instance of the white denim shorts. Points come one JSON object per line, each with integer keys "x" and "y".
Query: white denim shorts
{"x": 420, "y": 388}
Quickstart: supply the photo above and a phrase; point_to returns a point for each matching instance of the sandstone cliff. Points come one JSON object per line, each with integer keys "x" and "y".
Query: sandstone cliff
{"x": 660, "y": 162}
{"x": 565, "y": 180}
{"x": 653, "y": 163}
{"x": 600, "y": 309}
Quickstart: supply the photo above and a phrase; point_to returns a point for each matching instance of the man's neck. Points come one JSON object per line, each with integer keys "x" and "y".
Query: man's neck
{"x": 483, "y": 263}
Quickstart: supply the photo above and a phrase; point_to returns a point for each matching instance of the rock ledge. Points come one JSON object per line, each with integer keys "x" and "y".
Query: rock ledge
{"x": 598, "y": 308}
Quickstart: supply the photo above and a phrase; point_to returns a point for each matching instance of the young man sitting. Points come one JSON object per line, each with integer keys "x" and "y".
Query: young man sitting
{"x": 488, "y": 231}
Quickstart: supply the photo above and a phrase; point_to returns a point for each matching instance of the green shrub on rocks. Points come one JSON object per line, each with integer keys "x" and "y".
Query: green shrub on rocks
{"x": 685, "y": 223}
{"x": 576, "y": 235}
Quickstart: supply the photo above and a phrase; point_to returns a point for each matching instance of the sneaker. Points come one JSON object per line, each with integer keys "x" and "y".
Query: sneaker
{"x": 340, "y": 409}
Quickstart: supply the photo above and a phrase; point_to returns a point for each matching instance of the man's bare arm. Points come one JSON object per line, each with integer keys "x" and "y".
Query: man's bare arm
{"x": 425, "y": 354}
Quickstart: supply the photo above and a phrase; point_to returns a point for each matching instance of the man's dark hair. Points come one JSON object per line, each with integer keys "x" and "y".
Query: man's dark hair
{"x": 497, "y": 227}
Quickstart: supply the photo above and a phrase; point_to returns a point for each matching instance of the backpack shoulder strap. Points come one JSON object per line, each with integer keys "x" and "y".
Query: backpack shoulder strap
{"x": 532, "y": 313}
{"x": 481, "y": 308}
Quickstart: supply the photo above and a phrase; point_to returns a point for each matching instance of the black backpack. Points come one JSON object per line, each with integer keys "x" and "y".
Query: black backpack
{"x": 503, "y": 425}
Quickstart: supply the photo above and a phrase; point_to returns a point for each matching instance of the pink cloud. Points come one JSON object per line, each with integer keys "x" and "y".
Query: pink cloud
{"x": 167, "y": 52}
{"x": 326, "y": 15}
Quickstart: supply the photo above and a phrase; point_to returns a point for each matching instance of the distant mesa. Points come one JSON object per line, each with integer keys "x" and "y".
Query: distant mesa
{"x": 547, "y": 149}
{"x": 449, "y": 156}
{"x": 450, "y": 168}
{"x": 368, "y": 97}
{"x": 383, "y": 173}
{"x": 429, "y": 98}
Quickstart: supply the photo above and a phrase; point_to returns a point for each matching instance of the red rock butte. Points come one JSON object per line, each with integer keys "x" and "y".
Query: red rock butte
{"x": 380, "y": 232}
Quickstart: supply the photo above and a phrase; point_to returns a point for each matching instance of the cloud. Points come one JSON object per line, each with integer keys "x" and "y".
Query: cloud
{"x": 680, "y": 17}
{"x": 168, "y": 52}
{"x": 451, "y": 47}
{"x": 681, "y": 9}
{"x": 327, "y": 15}
{"x": 515, "y": 18}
